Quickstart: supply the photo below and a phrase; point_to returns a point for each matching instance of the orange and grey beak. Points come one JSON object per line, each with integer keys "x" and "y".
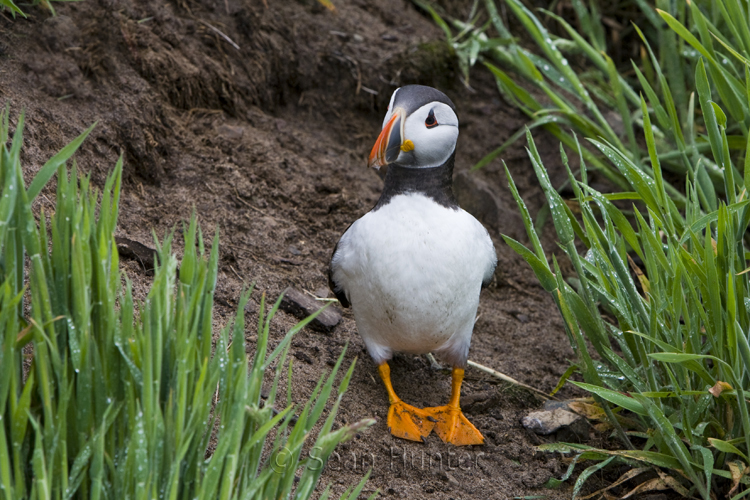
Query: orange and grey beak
{"x": 388, "y": 145}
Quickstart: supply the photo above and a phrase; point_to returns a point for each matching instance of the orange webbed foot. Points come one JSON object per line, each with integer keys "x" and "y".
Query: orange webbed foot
{"x": 453, "y": 427}
{"x": 450, "y": 423}
{"x": 404, "y": 420}
{"x": 408, "y": 422}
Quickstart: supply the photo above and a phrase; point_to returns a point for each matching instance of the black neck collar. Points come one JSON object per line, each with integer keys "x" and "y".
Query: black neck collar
{"x": 434, "y": 182}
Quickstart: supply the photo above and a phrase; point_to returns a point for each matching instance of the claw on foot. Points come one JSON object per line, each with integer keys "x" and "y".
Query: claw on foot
{"x": 451, "y": 424}
{"x": 404, "y": 420}
{"x": 453, "y": 427}
{"x": 408, "y": 422}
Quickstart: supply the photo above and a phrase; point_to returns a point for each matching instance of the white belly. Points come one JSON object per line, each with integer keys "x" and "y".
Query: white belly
{"x": 413, "y": 271}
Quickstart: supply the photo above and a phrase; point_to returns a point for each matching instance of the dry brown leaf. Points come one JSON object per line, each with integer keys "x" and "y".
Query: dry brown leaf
{"x": 328, "y": 5}
{"x": 655, "y": 484}
{"x": 673, "y": 483}
{"x": 645, "y": 285}
{"x": 737, "y": 469}
{"x": 603, "y": 427}
{"x": 625, "y": 477}
{"x": 590, "y": 411}
{"x": 719, "y": 387}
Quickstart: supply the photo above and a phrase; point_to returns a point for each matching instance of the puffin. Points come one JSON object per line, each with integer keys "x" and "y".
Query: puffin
{"x": 412, "y": 268}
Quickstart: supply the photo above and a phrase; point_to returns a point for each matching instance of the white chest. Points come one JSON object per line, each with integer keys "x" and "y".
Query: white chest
{"x": 413, "y": 272}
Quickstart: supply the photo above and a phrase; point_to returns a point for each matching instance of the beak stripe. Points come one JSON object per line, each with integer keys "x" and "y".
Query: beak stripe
{"x": 394, "y": 141}
{"x": 388, "y": 145}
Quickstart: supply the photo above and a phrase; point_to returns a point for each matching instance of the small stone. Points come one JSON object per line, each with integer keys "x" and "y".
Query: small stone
{"x": 303, "y": 357}
{"x": 294, "y": 250}
{"x": 301, "y": 305}
{"x": 251, "y": 308}
{"x": 340, "y": 34}
{"x": 546, "y": 422}
{"x": 130, "y": 249}
{"x": 451, "y": 479}
{"x": 323, "y": 292}
{"x": 269, "y": 222}
{"x": 230, "y": 132}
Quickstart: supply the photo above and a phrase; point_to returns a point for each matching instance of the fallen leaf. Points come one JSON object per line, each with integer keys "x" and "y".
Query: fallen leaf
{"x": 590, "y": 411}
{"x": 737, "y": 470}
{"x": 655, "y": 484}
{"x": 673, "y": 483}
{"x": 719, "y": 387}
{"x": 603, "y": 427}
{"x": 625, "y": 477}
{"x": 328, "y": 5}
{"x": 645, "y": 285}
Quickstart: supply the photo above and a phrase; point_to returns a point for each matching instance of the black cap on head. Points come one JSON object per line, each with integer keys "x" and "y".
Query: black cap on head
{"x": 413, "y": 97}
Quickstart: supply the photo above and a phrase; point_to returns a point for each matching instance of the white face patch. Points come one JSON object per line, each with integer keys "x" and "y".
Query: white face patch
{"x": 433, "y": 129}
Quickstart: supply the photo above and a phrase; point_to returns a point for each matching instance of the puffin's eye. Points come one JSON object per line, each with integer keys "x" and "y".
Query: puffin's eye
{"x": 431, "y": 121}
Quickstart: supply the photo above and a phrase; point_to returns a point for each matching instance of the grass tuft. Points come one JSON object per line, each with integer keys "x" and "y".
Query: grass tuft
{"x": 669, "y": 363}
{"x": 126, "y": 400}
{"x": 676, "y": 355}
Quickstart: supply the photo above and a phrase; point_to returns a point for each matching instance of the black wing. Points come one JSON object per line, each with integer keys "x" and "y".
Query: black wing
{"x": 337, "y": 291}
{"x": 488, "y": 276}
{"x": 489, "y": 271}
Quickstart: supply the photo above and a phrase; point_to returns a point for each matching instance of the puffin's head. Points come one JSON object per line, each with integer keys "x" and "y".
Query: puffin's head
{"x": 420, "y": 129}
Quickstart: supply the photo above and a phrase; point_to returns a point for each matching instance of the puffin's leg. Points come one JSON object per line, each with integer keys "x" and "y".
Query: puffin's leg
{"x": 404, "y": 421}
{"x": 452, "y": 426}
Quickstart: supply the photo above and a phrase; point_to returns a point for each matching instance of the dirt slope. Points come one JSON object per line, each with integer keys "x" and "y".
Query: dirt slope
{"x": 259, "y": 115}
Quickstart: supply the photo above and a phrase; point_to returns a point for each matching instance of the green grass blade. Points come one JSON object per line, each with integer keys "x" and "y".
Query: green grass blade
{"x": 49, "y": 168}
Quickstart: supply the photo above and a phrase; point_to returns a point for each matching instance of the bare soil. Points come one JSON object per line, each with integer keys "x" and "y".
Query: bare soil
{"x": 259, "y": 115}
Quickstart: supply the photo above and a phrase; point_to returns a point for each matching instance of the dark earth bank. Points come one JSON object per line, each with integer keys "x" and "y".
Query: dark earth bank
{"x": 259, "y": 115}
